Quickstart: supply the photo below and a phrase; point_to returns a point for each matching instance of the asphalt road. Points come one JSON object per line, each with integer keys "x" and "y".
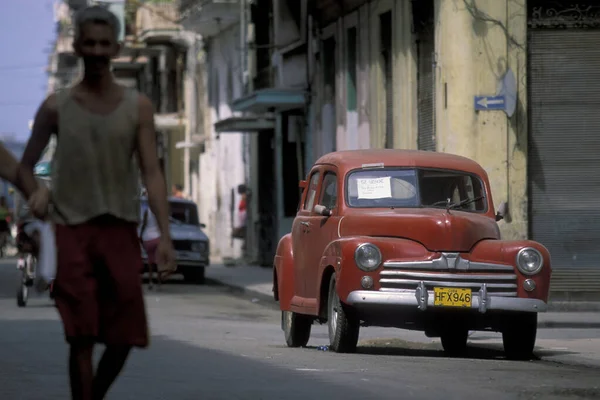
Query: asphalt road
{"x": 210, "y": 344}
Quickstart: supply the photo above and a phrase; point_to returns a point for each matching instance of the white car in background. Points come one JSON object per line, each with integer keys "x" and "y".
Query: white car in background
{"x": 192, "y": 247}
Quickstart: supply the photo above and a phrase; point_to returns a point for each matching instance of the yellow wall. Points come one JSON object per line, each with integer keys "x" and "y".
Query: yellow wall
{"x": 476, "y": 41}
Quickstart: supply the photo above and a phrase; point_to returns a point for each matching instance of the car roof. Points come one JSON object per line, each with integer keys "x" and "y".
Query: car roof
{"x": 347, "y": 160}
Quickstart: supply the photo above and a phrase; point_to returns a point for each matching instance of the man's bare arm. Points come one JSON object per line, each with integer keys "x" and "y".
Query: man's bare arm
{"x": 151, "y": 172}
{"x": 44, "y": 125}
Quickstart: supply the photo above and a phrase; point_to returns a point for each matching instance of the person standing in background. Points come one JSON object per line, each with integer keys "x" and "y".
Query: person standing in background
{"x": 177, "y": 191}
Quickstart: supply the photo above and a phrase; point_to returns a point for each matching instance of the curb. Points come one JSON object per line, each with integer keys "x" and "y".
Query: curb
{"x": 241, "y": 290}
{"x": 568, "y": 325}
{"x": 576, "y": 306}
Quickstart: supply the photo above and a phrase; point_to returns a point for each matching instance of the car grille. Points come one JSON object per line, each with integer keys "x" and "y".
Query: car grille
{"x": 450, "y": 270}
{"x": 186, "y": 245}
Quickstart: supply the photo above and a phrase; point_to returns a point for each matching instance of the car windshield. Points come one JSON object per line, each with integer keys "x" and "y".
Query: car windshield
{"x": 180, "y": 212}
{"x": 412, "y": 188}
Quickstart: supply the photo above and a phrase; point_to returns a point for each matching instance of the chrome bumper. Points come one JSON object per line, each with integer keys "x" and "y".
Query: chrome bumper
{"x": 423, "y": 299}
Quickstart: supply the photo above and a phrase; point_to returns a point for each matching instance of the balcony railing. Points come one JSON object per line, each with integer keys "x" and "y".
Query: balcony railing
{"x": 209, "y": 17}
{"x": 158, "y": 21}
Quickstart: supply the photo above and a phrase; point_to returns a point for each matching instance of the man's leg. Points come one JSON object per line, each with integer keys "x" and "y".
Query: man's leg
{"x": 75, "y": 297}
{"x": 122, "y": 309}
{"x": 109, "y": 368}
{"x": 81, "y": 370}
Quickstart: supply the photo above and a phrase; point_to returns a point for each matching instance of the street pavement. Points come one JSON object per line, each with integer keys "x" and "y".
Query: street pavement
{"x": 211, "y": 342}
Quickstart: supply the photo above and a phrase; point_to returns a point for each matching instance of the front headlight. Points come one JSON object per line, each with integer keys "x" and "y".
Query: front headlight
{"x": 198, "y": 247}
{"x": 367, "y": 257}
{"x": 529, "y": 261}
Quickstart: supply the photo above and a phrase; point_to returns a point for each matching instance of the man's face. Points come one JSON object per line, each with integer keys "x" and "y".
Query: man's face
{"x": 96, "y": 45}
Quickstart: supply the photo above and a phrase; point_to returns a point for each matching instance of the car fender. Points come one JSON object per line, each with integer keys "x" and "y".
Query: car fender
{"x": 283, "y": 272}
{"x": 505, "y": 252}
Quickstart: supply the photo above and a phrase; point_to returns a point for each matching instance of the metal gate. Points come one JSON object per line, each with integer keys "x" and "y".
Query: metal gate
{"x": 564, "y": 153}
{"x": 426, "y": 89}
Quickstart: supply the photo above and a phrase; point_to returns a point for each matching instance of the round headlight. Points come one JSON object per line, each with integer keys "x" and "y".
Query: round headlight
{"x": 197, "y": 246}
{"x": 367, "y": 257}
{"x": 529, "y": 261}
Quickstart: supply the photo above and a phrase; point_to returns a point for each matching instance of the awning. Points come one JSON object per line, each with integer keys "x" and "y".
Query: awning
{"x": 245, "y": 124}
{"x": 271, "y": 100}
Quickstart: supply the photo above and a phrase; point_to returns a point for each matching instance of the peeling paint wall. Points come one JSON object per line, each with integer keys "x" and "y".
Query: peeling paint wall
{"x": 222, "y": 164}
{"x": 476, "y": 41}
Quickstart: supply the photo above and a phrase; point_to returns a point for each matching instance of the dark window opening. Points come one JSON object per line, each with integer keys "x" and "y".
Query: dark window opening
{"x": 329, "y": 68}
{"x": 385, "y": 24}
{"x": 351, "y": 64}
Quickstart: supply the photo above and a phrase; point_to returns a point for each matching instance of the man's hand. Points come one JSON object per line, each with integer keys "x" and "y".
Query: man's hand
{"x": 165, "y": 257}
{"x": 38, "y": 202}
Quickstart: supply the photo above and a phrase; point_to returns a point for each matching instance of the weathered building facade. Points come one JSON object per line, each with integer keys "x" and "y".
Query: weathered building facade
{"x": 510, "y": 84}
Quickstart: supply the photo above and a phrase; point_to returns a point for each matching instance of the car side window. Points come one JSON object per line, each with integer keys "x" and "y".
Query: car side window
{"x": 312, "y": 191}
{"x": 329, "y": 191}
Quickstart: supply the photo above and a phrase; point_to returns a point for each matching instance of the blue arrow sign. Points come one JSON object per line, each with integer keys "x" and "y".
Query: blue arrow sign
{"x": 490, "y": 102}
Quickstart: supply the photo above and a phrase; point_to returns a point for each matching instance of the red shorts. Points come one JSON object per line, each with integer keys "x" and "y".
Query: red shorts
{"x": 150, "y": 246}
{"x": 98, "y": 288}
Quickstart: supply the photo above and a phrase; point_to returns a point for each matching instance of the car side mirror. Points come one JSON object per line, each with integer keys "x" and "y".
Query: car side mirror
{"x": 322, "y": 210}
{"x": 502, "y": 211}
{"x": 202, "y": 225}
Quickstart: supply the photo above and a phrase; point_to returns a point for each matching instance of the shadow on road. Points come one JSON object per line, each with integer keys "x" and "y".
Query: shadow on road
{"x": 401, "y": 348}
{"x": 35, "y": 364}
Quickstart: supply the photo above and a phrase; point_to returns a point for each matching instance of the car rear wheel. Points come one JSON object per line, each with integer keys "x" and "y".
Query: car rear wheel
{"x": 344, "y": 325}
{"x": 454, "y": 341}
{"x": 296, "y": 328}
{"x": 519, "y": 335}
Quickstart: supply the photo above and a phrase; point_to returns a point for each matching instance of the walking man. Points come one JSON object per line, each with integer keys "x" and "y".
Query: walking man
{"x": 104, "y": 131}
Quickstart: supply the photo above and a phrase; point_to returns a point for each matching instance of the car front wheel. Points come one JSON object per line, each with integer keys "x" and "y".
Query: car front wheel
{"x": 519, "y": 335}
{"x": 344, "y": 325}
{"x": 296, "y": 328}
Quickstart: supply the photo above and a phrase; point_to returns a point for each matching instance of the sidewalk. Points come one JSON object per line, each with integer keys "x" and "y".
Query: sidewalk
{"x": 571, "y": 337}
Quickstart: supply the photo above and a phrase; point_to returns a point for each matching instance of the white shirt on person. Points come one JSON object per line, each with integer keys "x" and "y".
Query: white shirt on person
{"x": 151, "y": 231}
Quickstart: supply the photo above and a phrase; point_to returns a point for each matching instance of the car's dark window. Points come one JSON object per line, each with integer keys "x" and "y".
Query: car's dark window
{"x": 394, "y": 187}
{"x": 184, "y": 212}
{"x": 329, "y": 190}
{"x": 180, "y": 211}
{"x": 312, "y": 191}
{"x": 436, "y": 187}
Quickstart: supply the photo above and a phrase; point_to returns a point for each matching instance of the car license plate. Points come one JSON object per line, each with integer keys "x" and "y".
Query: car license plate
{"x": 452, "y": 297}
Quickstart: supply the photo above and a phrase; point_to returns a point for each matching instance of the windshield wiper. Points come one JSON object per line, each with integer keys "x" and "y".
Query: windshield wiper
{"x": 451, "y": 206}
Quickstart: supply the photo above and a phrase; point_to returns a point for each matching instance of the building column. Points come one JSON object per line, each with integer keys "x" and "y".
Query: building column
{"x": 164, "y": 83}
{"x": 476, "y": 42}
{"x": 189, "y": 109}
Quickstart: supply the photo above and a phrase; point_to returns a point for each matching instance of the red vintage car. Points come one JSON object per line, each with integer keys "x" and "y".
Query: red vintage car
{"x": 407, "y": 239}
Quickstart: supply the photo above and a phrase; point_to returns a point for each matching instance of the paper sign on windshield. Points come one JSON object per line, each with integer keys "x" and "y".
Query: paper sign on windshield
{"x": 374, "y": 188}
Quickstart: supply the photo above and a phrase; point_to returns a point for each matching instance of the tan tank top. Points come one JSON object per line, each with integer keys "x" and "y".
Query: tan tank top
{"x": 94, "y": 169}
